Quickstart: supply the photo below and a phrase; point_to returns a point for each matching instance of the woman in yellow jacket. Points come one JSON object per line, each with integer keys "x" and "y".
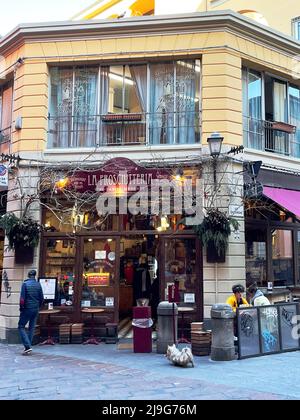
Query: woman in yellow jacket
{"x": 237, "y": 298}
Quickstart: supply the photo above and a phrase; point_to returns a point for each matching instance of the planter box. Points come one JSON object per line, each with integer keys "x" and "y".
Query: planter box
{"x": 213, "y": 256}
{"x": 24, "y": 255}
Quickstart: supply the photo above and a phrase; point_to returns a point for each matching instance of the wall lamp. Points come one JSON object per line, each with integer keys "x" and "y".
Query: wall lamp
{"x": 215, "y": 142}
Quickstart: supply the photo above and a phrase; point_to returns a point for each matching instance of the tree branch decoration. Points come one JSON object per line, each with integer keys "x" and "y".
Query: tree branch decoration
{"x": 216, "y": 229}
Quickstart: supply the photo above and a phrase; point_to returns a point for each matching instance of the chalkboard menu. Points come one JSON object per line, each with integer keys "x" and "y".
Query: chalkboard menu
{"x": 248, "y": 332}
{"x": 288, "y": 322}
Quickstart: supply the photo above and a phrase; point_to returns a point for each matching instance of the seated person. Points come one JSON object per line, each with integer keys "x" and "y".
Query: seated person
{"x": 237, "y": 299}
{"x": 257, "y": 296}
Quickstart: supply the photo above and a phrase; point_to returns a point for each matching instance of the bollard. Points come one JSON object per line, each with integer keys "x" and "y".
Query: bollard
{"x": 165, "y": 329}
{"x": 222, "y": 349}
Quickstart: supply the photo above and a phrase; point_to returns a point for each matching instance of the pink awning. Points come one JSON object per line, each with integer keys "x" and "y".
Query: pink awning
{"x": 288, "y": 199}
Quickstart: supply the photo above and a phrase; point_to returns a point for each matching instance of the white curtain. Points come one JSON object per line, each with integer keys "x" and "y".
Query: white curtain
{"x": 161, "y": 119}
{"x": 139, "y": 75}
{"x": 104, "y": 102}
{"x": 294, "y": 96}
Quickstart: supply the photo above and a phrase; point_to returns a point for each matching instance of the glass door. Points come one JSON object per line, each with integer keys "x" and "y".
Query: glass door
{"x": 99, "y": 273}
{"x": 181, "y": 261}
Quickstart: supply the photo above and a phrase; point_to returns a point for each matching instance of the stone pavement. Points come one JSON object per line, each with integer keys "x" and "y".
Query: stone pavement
{"x": 104, "y": 373}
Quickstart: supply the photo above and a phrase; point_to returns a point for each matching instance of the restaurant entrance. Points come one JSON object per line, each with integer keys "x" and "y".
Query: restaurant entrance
{"x": 114, "y": 272}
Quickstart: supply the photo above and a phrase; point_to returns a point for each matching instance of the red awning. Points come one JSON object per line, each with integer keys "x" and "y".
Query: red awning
{"x": 288, "y": 199}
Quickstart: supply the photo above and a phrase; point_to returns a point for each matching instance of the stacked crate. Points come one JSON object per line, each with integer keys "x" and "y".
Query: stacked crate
{"x": 64, "y": 333}
{"x": 201, "y": 340}
{"x": 77, "y": 334}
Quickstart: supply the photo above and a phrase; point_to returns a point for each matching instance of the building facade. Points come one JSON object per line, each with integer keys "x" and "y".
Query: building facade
{"x": 90, "y": 100}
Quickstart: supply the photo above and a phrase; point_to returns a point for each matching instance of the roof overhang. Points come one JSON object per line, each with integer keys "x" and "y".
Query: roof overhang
{"x": 150, "y": 25}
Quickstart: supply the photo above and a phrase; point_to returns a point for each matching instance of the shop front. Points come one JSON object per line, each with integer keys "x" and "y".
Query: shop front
{"x": 118, "y": 261}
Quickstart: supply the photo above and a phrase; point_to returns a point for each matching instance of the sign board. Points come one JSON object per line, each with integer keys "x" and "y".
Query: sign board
{"x": 236, "y": 210}
{"x": 49, "y": 287}
{"x": 116, "y": 172}
{"x": 100, "y": 255}
{"x": 110, "y": 302}
{"x": 189, "y": 298}
{"x": 3, "y": 176}
{"x": 98, "y": 279}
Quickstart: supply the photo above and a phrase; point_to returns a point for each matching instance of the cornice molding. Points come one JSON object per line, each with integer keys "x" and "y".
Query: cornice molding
{"x": 149, "y": 25}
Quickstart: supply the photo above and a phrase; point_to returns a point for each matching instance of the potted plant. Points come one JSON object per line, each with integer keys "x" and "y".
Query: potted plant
{"x": 214, "y": 233}
{"x": 23, "y": 236}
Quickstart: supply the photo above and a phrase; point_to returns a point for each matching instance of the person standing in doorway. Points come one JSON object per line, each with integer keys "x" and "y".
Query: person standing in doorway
{"x": 31, "y": 300}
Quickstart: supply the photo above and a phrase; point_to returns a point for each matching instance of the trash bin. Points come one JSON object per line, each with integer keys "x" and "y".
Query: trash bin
{"x": 222, "y": 348}
{"x": 142, "y": 329}
{"x": 165, "y": 327}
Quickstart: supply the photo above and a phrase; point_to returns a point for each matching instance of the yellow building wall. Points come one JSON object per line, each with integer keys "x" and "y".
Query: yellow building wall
{"x": 222, "y": 57}
{"x": 279, "y": 14}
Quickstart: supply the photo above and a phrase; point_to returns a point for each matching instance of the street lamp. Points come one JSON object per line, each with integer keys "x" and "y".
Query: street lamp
{"x": 215, "y": 145}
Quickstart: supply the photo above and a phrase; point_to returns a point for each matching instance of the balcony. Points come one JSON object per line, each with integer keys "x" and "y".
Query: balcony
{"x": 124, "y": 130}
{"x": 270, "y": 136}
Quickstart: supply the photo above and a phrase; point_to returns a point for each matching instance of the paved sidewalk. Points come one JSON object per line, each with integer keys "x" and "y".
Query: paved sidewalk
{"x": 105, "y": 373}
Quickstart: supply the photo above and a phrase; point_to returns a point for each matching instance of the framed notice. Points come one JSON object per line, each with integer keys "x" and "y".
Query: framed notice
{"x": 49, "y": 287}
{"x": 100, "y": 255}
{"x": 110, "y": 302}
{"x": 189, "y": 298}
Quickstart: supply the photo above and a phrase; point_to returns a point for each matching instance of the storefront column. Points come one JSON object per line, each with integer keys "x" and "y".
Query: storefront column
{"x": 16, "y": 273}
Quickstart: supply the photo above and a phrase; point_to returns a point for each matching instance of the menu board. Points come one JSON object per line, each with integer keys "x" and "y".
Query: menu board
{"x": 49, "y": 287}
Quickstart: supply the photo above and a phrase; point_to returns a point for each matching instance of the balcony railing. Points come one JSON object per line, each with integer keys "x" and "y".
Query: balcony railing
{"x": 124, "y": 129}
{"x": 275, "y": 137}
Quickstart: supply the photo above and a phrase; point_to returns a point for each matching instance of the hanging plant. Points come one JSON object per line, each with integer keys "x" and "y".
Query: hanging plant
{"x": 21, "y": 232}
{"x": 215, "y": 230}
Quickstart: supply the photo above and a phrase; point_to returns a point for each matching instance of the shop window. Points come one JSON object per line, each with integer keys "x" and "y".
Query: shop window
{"x": 296, "y": 28}
{"x": 67, "y": 221}
{"x": 180, "y": 265}
{"x": 256, "y": 256}
{"x": 60, "y": 264}
{"x": 6, "y": 103}
{"x": 98, "y": 280}
{"x": 282, "y": 257}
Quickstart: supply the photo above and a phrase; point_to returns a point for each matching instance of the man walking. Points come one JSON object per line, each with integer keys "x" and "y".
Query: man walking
{"x": 31, "y": 300}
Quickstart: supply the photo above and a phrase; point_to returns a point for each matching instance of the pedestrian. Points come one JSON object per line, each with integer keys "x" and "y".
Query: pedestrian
{"x": 237, "y": 299}
{"x": 257, "y": 298}
{"x": 31, "y": 300}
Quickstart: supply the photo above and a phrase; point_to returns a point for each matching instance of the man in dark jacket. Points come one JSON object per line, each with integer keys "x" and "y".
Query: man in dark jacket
{"x": 31, "y": 300}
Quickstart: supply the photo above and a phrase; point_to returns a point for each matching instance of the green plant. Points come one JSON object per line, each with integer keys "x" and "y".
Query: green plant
{"x": 21, "y": 232}
{"x": 216, "y": 229}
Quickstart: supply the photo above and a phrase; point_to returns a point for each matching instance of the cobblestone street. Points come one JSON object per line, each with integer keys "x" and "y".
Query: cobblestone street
{"x": 104, "y": 373}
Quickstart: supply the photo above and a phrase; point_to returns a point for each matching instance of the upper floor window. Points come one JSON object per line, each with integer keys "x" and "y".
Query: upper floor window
{"x": 271, "y": 114}
{"x": 296, "y": 28}
{"x": 6, "y": 100}
{"x": 155, "y": 103}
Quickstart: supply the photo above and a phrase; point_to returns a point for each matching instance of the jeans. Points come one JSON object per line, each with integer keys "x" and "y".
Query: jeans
{"x": 27, "y": 315}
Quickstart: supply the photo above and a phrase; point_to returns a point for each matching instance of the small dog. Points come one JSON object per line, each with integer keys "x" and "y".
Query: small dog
{"x": 180, "y": 358}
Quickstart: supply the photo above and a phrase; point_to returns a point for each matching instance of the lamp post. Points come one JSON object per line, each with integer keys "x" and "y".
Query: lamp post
{"x": 215, "y": 145}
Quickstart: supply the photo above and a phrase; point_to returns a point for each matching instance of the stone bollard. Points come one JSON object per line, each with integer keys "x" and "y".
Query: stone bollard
{"x": 165, "y": 333}
{"x": 222, "y": 348}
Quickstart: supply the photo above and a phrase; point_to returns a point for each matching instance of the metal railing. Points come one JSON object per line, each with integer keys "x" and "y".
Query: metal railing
{"x": 264, "y": 135}
{"x": 124, "y": 129}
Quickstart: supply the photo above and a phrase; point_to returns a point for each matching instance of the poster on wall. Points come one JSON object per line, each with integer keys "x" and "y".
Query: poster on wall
{"x": 49, "y": 287}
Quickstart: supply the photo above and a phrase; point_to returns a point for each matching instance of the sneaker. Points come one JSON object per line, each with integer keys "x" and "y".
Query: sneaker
{"x": 27, "y": 352}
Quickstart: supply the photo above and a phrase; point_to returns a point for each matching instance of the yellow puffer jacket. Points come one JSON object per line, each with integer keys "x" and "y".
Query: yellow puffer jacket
{"x": 232, "y": 301}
